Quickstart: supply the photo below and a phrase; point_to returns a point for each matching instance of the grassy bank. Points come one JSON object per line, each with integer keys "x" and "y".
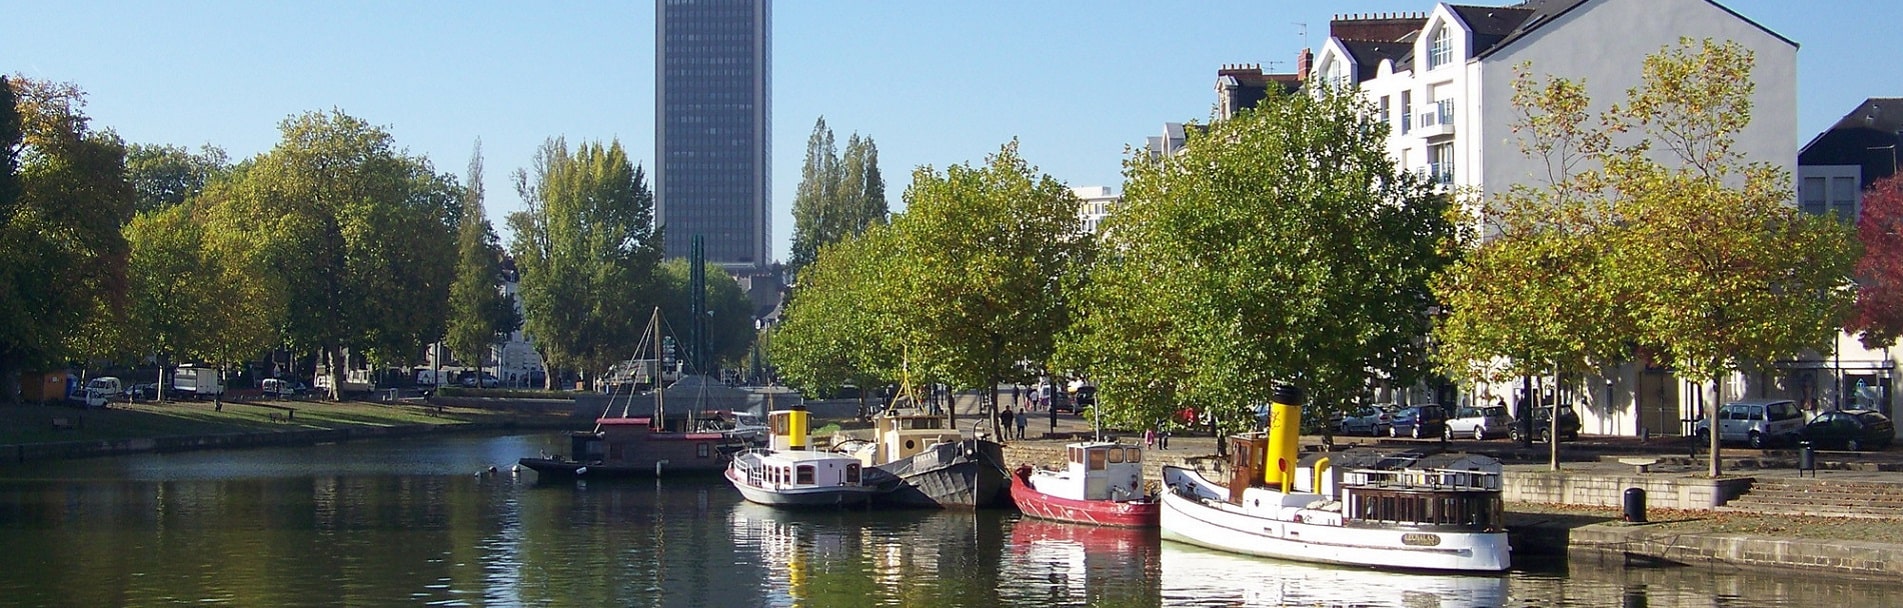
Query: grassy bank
{"x": 29, "y": 423}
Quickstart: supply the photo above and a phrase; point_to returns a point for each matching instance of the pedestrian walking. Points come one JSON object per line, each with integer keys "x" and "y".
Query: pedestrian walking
{"x": 1163, "y": 436}
{"x": 1004, "y": 422}
{"x": 1014, "y": 397}
{"x": 1023, "y": 421}
{"x": 1149, "y": 437}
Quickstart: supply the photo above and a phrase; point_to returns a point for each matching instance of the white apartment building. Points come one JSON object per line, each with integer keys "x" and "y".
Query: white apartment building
{"x": 1095, "y": 204}
{"x": 1442, "y": 79}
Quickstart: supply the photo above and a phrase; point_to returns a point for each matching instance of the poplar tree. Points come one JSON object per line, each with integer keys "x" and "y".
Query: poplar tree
{"x": 478, "y": 310}
{"x": 587, "y": 252}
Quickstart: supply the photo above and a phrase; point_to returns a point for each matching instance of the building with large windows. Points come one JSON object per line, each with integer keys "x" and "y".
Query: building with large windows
{"x": 713, "y": 126}
{"x": 1442, "y": 80}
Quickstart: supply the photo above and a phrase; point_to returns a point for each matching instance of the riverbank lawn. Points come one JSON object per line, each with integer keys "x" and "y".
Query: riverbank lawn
{"x": 31, "y": 423}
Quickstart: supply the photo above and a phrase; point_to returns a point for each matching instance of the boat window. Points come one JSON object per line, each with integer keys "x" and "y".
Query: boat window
{"x": 805, "y": 475}
{"x": 703, "y": 450}
{"x": 852, "y": 473}
{"x": 780, "y": 423}
{"x": 1132, "y": 455}
{"x": 1076, "y": 454}
{"x": 1115, "y": 454}
{"x": 1096, "y": 460}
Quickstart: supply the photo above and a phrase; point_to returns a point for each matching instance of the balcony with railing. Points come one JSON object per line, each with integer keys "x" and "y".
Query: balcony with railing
{"x": 1437, "y": 119}
{"x": 1442, "y": 173}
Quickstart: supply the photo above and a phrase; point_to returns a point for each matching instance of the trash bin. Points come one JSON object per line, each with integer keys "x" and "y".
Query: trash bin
{"x": 1635, "y": 505}
{"x": 1806, "y": 458}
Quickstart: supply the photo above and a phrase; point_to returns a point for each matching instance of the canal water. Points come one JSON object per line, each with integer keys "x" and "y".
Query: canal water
{"x": 420, "y": 522}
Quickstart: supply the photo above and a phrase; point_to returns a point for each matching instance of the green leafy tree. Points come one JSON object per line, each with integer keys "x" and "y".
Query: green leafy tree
{"x": 835, "y": 331}
{"x": 587, "y": 251}
{"x": 163, "y": 176}
{"x": 984, "y": 257}
{"x": 478, "y": 310}
{"x": 836, "y": 198}
{"x": 62, "y": 256}
{"x": 729, "y": 311}
{"x": 360, "y": 235}
{"x": 1664, "y": 235}
{"x": 1284, "y": 245}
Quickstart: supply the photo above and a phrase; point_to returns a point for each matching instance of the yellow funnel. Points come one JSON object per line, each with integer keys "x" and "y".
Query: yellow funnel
{"x": 1285, "y": 437}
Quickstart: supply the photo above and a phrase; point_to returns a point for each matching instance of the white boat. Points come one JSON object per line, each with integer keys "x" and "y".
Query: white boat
{"x": 937, "y": 467}
{"x": 791, "y": 474}
{"x": 1401, "y": 511}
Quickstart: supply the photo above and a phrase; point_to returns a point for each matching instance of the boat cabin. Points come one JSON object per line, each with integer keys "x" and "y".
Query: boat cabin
{"x": 634, "y": 440}
{"x": 897, "y": 437}
{"x": 1097, "y": 471}
{"x": 1452, "y": 491}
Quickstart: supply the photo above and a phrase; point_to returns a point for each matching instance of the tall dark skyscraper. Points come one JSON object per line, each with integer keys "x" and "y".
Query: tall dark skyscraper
{"x": 713, "y": 126}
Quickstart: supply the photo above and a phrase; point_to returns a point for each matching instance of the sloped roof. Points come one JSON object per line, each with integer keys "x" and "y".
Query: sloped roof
{"x": 1368, "y": 54}
{"x": 1541, "y": 12}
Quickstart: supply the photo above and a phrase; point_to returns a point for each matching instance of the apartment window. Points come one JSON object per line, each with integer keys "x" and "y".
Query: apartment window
{"x": 1440, "y": 48}
{"x": 1407, "y": 111}
{"x": 1441, "y": 167}
{"x": 1384, "y": 109}
{"x": 1813, "y": 192}
{"x": 1843, "y": 198}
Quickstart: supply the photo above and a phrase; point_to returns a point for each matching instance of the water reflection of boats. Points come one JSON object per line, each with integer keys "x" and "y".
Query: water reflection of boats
{"x": 1031, "y": 535}
{"x": 939, "y": 467}
{"x": 1403, "y": 511}
{"x": 1073, "y": 561}
{"x": 1198, "y": 576}
{"x": 1101, "y": 484}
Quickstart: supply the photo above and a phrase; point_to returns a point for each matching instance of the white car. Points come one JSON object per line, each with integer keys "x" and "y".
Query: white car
{"x": 1756, "y": 422}
{"x": 1366, "y": 420}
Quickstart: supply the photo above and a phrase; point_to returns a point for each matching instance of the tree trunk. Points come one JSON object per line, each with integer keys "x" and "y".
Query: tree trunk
{"x": 1711, "y": 422}
{"x": 1552, "y": 424}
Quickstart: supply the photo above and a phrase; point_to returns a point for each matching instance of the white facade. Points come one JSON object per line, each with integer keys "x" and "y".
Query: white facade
{"x": 1453, "y": 118}
{"x": 1096, "y": 204}
{"x": 1447, "y": 95}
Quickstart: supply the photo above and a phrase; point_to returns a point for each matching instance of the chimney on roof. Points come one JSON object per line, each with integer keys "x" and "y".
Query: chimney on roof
{"x": 1303, "y": 60}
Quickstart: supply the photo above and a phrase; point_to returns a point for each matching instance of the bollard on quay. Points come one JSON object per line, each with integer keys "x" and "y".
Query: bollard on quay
{"x": 1635, "y": 505}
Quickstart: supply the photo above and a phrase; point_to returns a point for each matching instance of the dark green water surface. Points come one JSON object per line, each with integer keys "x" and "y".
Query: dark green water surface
{"x": 421, "y": 523}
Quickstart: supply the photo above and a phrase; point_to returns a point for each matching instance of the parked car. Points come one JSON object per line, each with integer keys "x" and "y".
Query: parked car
{"x": 143, "y": 391}
{"x": 1370, "y": 420}
{"x": 283, "y": 387}
{"x": 470, "y": 379}
{"x": 1542, "y": 424}
{"x": 1478, "y": 421}
{"x": 103, "y": 390}
{"x": 1757, "y": 422}
{"x": 1418, "y": 421}
{"x": 1850, "y": 430}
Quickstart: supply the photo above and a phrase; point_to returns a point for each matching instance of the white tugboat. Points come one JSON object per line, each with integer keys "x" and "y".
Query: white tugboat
{"x": 791, "y": 474}
{"x": 1405, "y": 511}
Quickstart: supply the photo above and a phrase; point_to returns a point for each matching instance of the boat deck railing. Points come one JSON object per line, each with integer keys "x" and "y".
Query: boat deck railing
{"x": 1431, "y": 479}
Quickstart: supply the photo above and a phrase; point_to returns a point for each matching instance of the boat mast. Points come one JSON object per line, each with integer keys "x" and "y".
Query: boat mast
{"x": 660, "y": 392}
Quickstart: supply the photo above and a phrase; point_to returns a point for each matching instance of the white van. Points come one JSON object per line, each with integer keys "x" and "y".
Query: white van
{"x": 103, "y": 390}
{"x": 196, "y": 382}
{"x": 1757, "y": 422}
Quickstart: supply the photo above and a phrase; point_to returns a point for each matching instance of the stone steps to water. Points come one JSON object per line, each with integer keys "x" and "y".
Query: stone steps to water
{"x": 1874, "y": 499}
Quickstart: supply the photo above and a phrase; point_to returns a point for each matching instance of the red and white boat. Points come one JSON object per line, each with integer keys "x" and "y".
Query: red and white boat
{"x": 1101, "y": 484}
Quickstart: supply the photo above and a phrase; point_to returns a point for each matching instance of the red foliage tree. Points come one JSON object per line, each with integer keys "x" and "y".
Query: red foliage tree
{"x": 1878, "y": 315}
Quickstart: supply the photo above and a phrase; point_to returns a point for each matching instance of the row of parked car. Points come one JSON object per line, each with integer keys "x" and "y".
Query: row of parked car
{"x": 1478, "y": 422}
{"x": 1758, "y": 423}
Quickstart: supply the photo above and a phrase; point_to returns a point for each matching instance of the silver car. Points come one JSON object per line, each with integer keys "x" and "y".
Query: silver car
{"x": 1366, "y": 420}
{"x": 1479, "y": 422}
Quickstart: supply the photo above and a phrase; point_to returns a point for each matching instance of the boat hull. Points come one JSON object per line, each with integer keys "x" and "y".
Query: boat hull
{"x": 966, "y": 474}
{"x": 836, "y": 496}
{"x": 1191, "y": 515}
{"x": 1143, "y": 513}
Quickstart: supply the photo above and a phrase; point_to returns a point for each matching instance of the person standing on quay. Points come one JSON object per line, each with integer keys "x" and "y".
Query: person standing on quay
{"x": 1004, "y": 423}
{"x": 1023, "y": 421}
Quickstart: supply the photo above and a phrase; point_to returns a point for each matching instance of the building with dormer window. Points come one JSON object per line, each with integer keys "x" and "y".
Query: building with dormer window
{"x": 1443, "y": 81}
{"x": 1444, "y": 77}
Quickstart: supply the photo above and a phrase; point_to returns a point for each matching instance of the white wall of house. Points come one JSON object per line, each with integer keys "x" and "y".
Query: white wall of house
{"x": 1604, "y": 44}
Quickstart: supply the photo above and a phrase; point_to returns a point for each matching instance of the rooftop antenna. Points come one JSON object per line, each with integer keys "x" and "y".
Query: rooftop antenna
{"x": 1272, "y": 65}
{"x": 1303, "y": 32}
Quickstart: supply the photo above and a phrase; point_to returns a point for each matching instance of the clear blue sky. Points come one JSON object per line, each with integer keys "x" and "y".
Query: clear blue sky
{"x": 934, "y": 83}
